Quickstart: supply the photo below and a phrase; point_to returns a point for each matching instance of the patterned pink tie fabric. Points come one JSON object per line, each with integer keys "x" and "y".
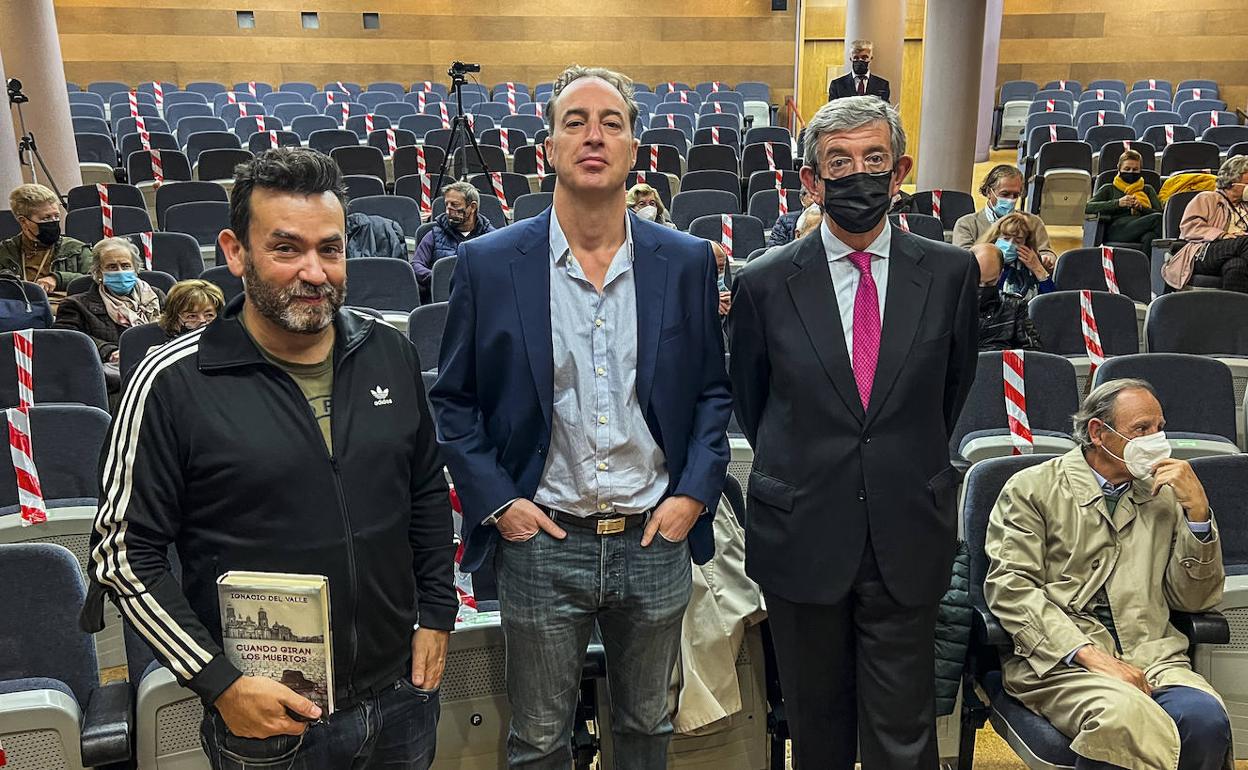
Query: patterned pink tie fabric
{"x": 866, "y": 327}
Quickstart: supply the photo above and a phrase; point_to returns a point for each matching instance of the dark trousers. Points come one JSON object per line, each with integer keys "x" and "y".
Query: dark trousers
{"x": 1142, "y": 229}
{"x": 1204, "y": 729}
{"x": 395, "y": 729}
{"x": 858, "y": 674}
{"x": 1226, "y": 258}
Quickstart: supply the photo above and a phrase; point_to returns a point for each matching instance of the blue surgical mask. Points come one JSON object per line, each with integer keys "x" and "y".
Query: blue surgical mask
{"x": 1003, "y": 206}
{"x": 121, "y": 282}
{"x": 1009, "y": 252}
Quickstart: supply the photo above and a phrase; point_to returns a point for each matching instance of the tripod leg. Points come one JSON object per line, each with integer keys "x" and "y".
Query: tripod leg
{"x": 450, "y": 150}
{"x": 472, "y": 138}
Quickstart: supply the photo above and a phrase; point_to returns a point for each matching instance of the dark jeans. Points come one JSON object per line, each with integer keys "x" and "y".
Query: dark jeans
{"x": 551, "y": 592}
{"x": 396, "y": 729}
{"x": 1226, "y": 258}
{"x": 1204, "y": 729}
{"x": 858, "y": 675}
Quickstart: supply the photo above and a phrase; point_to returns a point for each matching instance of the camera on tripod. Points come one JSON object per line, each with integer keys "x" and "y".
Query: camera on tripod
{"x": 15, "y": 92}
{"x": 459, "y": 69}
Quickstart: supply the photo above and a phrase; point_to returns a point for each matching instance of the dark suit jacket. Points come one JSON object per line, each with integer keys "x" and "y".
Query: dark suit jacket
{"x": 847, "y": 85}
{"x": 825, "y": 474}
{"x": 494, "y": 392}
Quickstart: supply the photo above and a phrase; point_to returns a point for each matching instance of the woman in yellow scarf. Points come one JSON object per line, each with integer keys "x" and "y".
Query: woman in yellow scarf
{"x": 1130, "y": 207}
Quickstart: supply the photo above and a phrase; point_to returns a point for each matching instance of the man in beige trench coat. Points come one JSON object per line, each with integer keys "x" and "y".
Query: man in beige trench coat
{"x": 1089, "y": 553}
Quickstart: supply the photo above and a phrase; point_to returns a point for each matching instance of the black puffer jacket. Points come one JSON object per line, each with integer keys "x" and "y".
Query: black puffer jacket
{"x": 953, "y": 633}
{"x": 1005, "y": 325}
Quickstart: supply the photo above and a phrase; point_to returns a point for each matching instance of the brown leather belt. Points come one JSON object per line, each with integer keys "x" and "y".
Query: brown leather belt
{"x": 600, "y": 525}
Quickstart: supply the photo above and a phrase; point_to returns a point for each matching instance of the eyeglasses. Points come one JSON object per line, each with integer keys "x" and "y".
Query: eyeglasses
{"x": 843, "y": 165}
{"x": 207, "y": 316}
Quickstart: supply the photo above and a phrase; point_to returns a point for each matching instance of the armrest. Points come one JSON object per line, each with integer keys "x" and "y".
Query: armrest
{"x": 1167, "y": 243}
{"x": 107, "y": 725}
{"x": 987, "y": 630}
{"x": 1202, "y": 627}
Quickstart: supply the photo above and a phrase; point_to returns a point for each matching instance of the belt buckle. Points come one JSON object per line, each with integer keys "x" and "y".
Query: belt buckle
{"x": 611, "y": 526}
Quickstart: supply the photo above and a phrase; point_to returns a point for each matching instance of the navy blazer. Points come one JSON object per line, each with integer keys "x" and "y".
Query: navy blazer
{"x": 495, "y": 387}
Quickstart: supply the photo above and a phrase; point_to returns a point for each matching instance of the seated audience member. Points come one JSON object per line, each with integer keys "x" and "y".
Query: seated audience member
{"x": 1089, "y": 552}
{"x": 462, "y": 221}
{"x": 721, "y": 264}
{"x": 1002, "y": 186}
{"x": 808, "y": 219}
{"x": 1215, "y": 226}
{"x": 903, "y": 203}
{"x": 1130, "y": 207}
{"x": 190, "y": 305}
{"x": 786, "y": 225}
{"x": 40, "y": 253}
{"x": 118, "y": 300}
{"x": 1025, "y": 273}
{"x": 645, "y": 202}
{"x": 1003, "y": 320}
{"x": 859, "y": 81}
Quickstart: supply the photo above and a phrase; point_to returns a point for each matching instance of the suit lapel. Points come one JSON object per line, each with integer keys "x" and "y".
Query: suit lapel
{"x": 530, "y": 275}
{"x": 814, "y": 297}
{"x": 650, "y": 274}
{"x": 904, "y": 303}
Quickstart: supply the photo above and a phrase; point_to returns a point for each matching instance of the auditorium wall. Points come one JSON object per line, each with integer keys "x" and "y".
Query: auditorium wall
{"x": 523, "y": 40}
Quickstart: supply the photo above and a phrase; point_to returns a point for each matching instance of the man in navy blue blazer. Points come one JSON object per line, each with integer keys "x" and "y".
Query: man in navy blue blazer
{"x": 582, "y": 407}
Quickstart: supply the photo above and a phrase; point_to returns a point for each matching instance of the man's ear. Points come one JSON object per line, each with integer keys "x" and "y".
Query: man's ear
{"x": 900, "y": 171}
{"x": 233, "y": 249}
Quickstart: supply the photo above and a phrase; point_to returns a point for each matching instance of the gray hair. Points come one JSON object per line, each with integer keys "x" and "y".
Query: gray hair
{"x": 621, "y": 83}
{"x": 463, "y": 188}
{"x": 1232, "y": 169}
{"x": 109, "y": 244}
{"x": 1100, "y": 405}
{"x": 847, "y": 114}
{"x": 861, "y": 45}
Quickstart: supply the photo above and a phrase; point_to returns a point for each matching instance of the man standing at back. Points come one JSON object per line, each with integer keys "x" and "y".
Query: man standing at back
{"x": 582, "y": 407}
{"x": 289, "y": 435}
{"x": 852, "y": 355}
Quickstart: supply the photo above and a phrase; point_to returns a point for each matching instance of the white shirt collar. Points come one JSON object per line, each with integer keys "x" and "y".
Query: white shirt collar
{"x": 836, "y": 248}
{"x": 559, "y": 248}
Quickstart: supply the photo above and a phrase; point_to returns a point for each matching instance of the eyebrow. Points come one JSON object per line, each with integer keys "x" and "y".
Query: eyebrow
{"x": 283, "y": 235}
{"x": 584, "y": 113}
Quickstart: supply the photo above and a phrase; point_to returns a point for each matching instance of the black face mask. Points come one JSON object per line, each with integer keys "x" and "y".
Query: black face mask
{"x": 988, "y": 296}
{"x": 860, "y": 67}
{"x": 1129, "y": 177}
{"x": 859, "y": 201}
{"x": 49, "y": 232}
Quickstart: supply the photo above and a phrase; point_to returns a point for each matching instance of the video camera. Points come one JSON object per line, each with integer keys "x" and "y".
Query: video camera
{"x": 15, "y": 92}
{"x": 459, "y": 69}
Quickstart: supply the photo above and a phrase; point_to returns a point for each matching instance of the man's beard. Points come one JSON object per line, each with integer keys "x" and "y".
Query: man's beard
{"x": 280, "y": 304}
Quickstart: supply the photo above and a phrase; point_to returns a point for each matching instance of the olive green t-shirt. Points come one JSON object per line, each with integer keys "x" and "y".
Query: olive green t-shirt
{"x": 315, "y": 380}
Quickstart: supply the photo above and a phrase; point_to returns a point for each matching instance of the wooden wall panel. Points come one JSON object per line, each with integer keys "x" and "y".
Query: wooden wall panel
{"x": 524, "y": 40}
{"x": 1084, "y": 40}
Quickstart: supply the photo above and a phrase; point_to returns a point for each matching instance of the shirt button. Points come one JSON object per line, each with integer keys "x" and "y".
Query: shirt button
{"x": 602, "y": 466}
{"x": 862, "y": 494}
{"x": 597, "y": 322}
{"x": 602, "y": 506}
{"x": 1096, "y": 563}
{"x": 602, "y": 419}
{"x": 601, "y": 370}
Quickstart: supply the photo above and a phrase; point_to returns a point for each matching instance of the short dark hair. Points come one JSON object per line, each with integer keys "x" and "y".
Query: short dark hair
{"x": 282, "y": 169}
{"x": 621, "y": 83}
{"x": 995, "y": 175}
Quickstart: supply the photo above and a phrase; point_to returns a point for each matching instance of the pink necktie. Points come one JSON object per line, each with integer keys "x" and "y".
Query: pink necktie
{"x": 866, "y": 327}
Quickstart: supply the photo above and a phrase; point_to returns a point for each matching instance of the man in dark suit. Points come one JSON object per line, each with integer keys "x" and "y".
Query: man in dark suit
{"x": 859, "y": 81}
{"x": 853, "y": 351}
{"x": 582, "y": 407}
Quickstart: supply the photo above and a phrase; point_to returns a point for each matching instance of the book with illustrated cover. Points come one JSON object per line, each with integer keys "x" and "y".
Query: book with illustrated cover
{"x": 276, "y": 625}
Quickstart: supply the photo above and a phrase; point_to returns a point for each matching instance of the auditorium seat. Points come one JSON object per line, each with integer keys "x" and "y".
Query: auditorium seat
{"x": 689, "y": 205}
{"x": 922, "y": 225}
{"x": 360, "y": 160}
{"x": 1111, "y": 151}
{"x": 425, "y": 326}
{"x": 210, "y": 140}
{"x": 306, "y": 90}
{"x": 218, "y": 165}
{"x": 385, "y": 285}
{"x": 66, "y": 369}
{"x": 530, "y": 205}
{"x": 88, "y": 195}
{"x": 765, "y": 205}
{"x": 747, "y": 232}
{"x": 953, "y": 205}
{"x": 202, "y": 220}
{"x": 287, "y": 113}
{"x": 397, "y": 208}
{"x": 176, "y": 254}
{"x": 327, "y": 139}
{"x": 193, "y": 124}
{"x": 157, "y": 140}
{"x": 440, "y": 281}
{"x": 230, "y": 285}
{"x": 87, "y": 224}
{"x": 363, "y": 185}
{"x": 207, "y": 89}
{"x": 1082, "y": 269}
{"x": 187, "y": 192}
{"x": 1225, "y": 137}
{"x": 1166, "y": 134}
{"x": 514, "y": 185}
{"x": 245, "y": 127}
{"x": 1058, "y": 317}
{"x": 1190, "y": 156}
{"x": 662, "y": 184}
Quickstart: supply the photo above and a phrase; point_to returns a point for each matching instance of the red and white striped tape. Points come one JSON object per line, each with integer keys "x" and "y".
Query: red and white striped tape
{"x": 541, "y": 161}
{"x": 511, "y": 97}
{"x": 251, "y": 88}
{"x": 1052, "y": 132}
{"x": 421, "y": 167}
{"x": 242, "y": 110}
{"x": 1016, "y": 402}
{"x": 1091, "y": 337}
{"x": 1152, "y": 83}
{"x": 158, "y": 91}
{"x": 1150, "y": 105}
{"x": 1169, "y": 133}
{"x": 29, "y": 493}
{"x": 714, "y": 134}
{"x": 158, "y": 169}
{"x": 464, "y": 591}
{"x": 1100, "y": 117}
{"x": 1100, "y": 93}
{"x": 1213, "y": 118}
{"x": 1196, "y": 93}
{"x": 904, "y": 221}
{"x": 496, "y": 183}
{"x": 133, "y": 98}
{"x": 1126, "y": 144}
{"x": 140, "y": 125}
{"x": 1107, "y": 265}
{"x": 420, "y": 102}
{"x": 273, "y": 139}
{"x": 1050, "y": 105}
{"x": 670, "y": 86}
{"x": 329, "y": 98}
{"x": 392, "y": 140}
{"x": 671, "y": 121}
{"x": 714, "y": 86}
{"x": 472, "y": 120}
{"x": 719, "y": 108}
{"x": 1062, "y": 84}
{"x": 426, "y": 186}
{"x": 640, "y": 177}
{"x": 446, "y": 116}
{"x": 654, "y": 158}
{"x": 106, "y": 210}
{"x": 428, "y": 85}
{"x": 368, "y": 123}
{"x": 145, "y": 238}
{"x": 684, "y": 97}
{"x": 725, "y": 238}
{"x": 231, "y": 97}
{"x": 504, "y": 141}
{"x": 771, "y": 157}
{"x": 346, "y": 113}
{"x": 342, "y": 87}
{"x": 782, "y": 199}
{"x": 260, "y": 124}
{"x": 936, "y": 202}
